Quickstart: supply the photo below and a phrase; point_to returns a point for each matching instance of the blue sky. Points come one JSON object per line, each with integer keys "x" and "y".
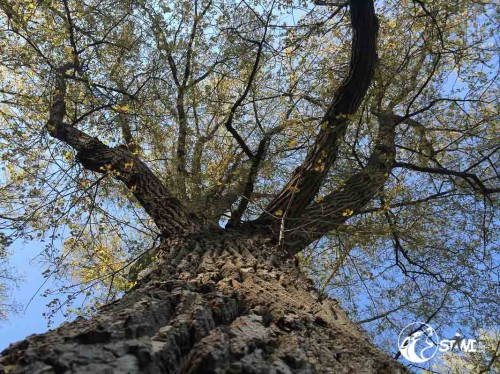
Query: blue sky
{"x": 30, "y": 320}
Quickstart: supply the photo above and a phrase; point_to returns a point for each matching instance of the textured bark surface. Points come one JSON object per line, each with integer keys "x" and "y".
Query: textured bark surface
{"x": 214, "y": 303}
{"x": 307, "y": 179}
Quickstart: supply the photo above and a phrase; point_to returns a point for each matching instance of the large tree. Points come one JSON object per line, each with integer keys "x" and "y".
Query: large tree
{"x": 190, "y": 163}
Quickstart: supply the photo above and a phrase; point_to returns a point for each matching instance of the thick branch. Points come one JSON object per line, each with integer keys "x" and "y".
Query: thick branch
{"x": 334, "y": 209}
{"x": 307, "y": 178}
{"x": 166, "y": 211}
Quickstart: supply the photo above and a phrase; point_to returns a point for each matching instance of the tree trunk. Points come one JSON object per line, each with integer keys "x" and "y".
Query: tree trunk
{"x": 216, "y": 302}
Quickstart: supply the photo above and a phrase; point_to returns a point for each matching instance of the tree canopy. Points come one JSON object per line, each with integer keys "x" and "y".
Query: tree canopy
{"x": 375, "y": 160}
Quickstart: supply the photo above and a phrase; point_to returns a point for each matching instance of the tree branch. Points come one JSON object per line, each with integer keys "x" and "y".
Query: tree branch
{"x": 180, "y": 103}
{"x": 229, "y": 122}
{"x": 337, "y": 207}
{"x": 471, "y": 178}
{"x": 307, "y": 179}
{"x": 166, "y": 211}
{"x": 260, "y": 156}
{"x": 443, "y": 194}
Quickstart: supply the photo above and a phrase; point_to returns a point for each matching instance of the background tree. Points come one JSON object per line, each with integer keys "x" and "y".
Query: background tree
{"x": 8, "y": 279}
{"x": 482, "y": 361}
{"x": 196, "y": 152}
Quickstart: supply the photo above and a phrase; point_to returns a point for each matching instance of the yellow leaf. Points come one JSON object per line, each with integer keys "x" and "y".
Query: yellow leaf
{"x": 347, "y": 212}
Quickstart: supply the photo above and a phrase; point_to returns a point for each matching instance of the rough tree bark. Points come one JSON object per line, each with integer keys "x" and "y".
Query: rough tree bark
{"x": 233, "y": 300}
{"x": 216, "y": 302}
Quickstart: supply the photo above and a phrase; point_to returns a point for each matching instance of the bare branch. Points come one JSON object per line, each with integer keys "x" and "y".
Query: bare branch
{"x": 471, "y": 178}
{"x": 229, "y": 122}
